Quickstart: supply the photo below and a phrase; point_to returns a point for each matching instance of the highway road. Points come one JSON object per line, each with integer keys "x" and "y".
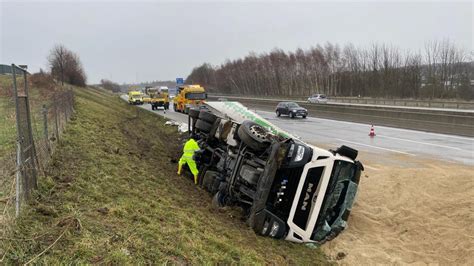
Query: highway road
{"x": 332, "y": 133}
{"x": 354, "y": 104}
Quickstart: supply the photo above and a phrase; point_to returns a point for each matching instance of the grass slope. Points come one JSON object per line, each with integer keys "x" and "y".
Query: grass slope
{"x": 111, "y": 195}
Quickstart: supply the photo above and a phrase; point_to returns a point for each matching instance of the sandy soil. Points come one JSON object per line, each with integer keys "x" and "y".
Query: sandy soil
{"x": 410, "y": 211}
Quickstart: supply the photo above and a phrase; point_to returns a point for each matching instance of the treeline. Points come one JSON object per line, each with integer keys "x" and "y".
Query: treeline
{"x": 110, "y": 85}
{"x": 440, "y": 70}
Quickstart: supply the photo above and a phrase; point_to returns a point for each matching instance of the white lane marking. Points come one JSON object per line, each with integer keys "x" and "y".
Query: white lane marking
{"x": 375, "y": 147}
{"x": 423, "y": 143}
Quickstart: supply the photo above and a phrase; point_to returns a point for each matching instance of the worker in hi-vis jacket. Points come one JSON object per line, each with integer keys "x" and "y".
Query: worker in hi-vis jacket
{"x": 190, "y": 148}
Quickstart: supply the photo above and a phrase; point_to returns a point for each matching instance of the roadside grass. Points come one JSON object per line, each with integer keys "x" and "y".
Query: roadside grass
{"x": 37, "y": 97}
{"x": 111, "y": 196}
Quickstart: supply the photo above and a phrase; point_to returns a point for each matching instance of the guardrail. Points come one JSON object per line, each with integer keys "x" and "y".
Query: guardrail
{"x": 406, "y": 102}
{"x": 446, "y": 104}
{"x": 458, "y": 122}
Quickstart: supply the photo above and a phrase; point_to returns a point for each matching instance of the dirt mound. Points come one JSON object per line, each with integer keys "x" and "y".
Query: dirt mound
{"x": 421, "y": 212}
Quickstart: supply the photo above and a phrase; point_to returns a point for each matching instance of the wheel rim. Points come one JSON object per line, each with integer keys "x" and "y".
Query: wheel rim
{"x": 258, "y": 132}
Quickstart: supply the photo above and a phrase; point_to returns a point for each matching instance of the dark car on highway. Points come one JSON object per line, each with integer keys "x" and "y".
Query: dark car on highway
{"x": 291, "y": 109}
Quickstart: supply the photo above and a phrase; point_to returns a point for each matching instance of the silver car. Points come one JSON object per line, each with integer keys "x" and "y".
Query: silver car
{"x": 318, "y": 98}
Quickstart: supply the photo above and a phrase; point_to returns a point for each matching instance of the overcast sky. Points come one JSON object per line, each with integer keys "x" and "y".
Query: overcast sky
{"x": 130, "y": 41}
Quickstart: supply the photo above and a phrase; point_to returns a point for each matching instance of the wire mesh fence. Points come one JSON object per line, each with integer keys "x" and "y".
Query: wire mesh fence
{"x": 30, "y": 127}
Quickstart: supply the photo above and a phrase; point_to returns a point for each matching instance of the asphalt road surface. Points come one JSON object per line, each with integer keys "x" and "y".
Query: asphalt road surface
{"x": 387, "y": 140}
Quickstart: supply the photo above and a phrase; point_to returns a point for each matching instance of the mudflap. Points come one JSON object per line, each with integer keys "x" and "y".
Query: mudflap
{"x": 257, "y": 215}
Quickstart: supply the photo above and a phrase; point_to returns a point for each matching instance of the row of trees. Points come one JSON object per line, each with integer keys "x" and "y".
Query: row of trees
{"x": 440, "y": 70}
{"x": 110, "y": 85}
{"x": 66, "y": 66}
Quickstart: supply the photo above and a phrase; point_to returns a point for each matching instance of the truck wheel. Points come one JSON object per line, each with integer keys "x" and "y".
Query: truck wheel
{"x": 175, "y": 108}
{"x": 278, "y": 113}
{"x": 207, "y": 116}
{"x": 253, "y": 135}
{"x": 292, "y": 115}
{"x": 203, "y": 126}
{"x": 194, "y": 113}
{"x": 208, "y": 180}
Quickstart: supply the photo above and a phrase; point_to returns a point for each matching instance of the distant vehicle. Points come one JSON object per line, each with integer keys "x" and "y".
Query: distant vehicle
{"x": 189, "y": 96}
{"x": 318, "y": 98}
{"x": 159, "y": 97}
{"x": 291, "y": 109}
{"x": 135, "y": 97}
{"x": 222, "y": 99}
{"x": 146, "y": 99}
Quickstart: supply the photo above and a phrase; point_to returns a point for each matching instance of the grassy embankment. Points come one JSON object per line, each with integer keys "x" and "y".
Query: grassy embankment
{"x": 111, "y": 195}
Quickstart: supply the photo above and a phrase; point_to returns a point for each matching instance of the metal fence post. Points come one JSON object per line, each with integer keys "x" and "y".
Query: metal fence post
{"x": 18, "y": 178}
{"x": 19, "y": 146}
{"x": 56, "y": 119}
{"x": 45, "y": 127}
{"x": 33, "y": 180}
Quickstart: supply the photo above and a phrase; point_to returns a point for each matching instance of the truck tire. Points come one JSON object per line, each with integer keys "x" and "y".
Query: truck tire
{"x": 203, "y": 126}
{"x": 253, "y": 135}
{"x": 207, "y": 116}
{"x": 194, "y": 113}
{"x": 208, "y": 180}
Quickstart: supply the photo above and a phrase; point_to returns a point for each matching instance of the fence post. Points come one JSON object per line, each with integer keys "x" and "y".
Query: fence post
{"x": 19, "y": 146}
{"x": 18, "y": 178}
{"x": 45, "y": 128}
{"x": 56, "y": 119}
{"x": 35, "y": 162}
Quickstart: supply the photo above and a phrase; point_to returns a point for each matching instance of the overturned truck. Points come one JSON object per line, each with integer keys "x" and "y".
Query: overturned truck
{"x": 287, "y": 188}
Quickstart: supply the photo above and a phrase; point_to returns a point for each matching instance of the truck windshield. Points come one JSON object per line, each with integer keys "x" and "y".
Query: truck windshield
{"x": 343, "y": 170}
{"x": 293, "y": 105}
{"x": 196, "y": 95}
{"x": 335, "y": 199}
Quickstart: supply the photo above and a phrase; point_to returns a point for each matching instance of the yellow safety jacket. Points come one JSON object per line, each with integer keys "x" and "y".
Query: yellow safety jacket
{"x": 189, "y": 148}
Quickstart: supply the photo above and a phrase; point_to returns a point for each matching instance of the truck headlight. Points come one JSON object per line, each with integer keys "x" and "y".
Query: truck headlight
{"x": 294, "y": 111}
{"x": 274, "y": 231}
{"x": 299, "y": 153}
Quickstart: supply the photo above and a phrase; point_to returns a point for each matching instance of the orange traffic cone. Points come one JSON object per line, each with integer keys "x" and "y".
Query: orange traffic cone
{"x": 372, "y": 131}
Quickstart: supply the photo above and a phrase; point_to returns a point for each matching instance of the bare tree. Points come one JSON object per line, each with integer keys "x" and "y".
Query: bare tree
{"x": 66, "y": 66}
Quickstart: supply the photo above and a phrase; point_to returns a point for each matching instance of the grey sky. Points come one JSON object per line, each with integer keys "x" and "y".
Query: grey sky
{"x": 128, "y": 41}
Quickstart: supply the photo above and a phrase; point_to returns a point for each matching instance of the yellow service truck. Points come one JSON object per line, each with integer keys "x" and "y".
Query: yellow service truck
{"x": 189, "y": 96}
{"x": 159, "y": 97}
{"x": 135, "y": 97}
